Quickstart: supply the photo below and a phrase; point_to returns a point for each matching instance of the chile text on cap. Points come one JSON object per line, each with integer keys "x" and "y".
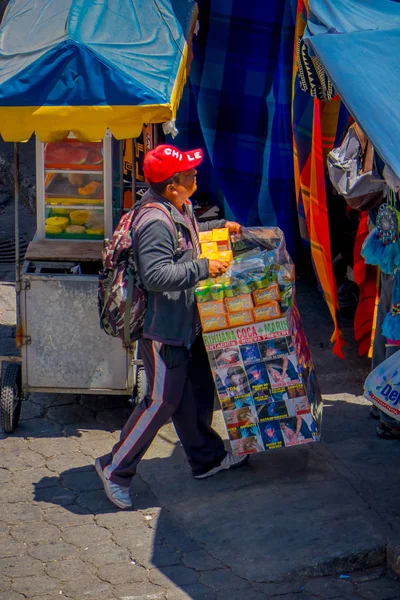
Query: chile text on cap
{"x": 164, "y": 161}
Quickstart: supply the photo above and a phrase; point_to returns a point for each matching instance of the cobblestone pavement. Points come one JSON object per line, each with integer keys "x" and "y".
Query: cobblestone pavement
{"x": 60, "y": 537}
{"x": 259, "y": 533}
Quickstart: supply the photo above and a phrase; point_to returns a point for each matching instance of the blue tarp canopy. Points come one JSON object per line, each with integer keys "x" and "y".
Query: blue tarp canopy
{"x": 85, "y": 65}
{"x": 358, "y": 43}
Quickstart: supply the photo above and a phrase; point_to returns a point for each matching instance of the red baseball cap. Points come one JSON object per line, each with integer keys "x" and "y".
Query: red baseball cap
{"x": 164, "y": 161}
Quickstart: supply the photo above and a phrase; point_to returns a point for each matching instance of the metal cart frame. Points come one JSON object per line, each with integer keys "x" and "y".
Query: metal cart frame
{"x": 17, "y": 378}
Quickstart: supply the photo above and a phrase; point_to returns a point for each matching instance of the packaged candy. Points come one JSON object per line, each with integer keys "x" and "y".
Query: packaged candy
{"x": 246, "y": 286}
{"x": 202, "y": 293}
{"x": 285, "y": 274}
{"x": 267, "y": 311}
{"x": 205, "y": 236}
{"x": 266, "y": 295}
{"x": 214, "y": 322}
{"x": 217, "y": 291}
{"x": 209, "y": 309}
{"x": 208, "y": 248}
{"x": 225, "y": 255}
{"x": 239, "y": 303}
{"x": 241, "y": 318}
{"x": 262, "y": 281}
{"x": 220, "y": 235}
{"x": 231, "y": 289}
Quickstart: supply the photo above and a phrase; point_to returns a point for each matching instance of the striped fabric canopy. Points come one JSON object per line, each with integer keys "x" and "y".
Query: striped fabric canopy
{"x": 85, "y": 66}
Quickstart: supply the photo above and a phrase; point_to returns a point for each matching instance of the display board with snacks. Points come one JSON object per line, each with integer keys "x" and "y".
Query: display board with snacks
{"x": 71, "y": 181}
{"x": 257, "y": 349}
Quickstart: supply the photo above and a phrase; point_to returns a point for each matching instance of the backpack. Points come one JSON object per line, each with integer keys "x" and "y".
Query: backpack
{"x": 353, "y": 173}
{"x": 122, "y": 299}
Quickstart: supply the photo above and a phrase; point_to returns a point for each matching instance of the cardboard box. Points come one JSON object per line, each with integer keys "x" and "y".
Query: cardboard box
{"x": 213, "y": 322}
{"x": 240, "y": 303}
{"x": 212, "y": 308}
{"x": 267, "y": 311}
{"x": 205, "y": 236}
{"x": 266, "y": 295}
{"x": 240, "y": 318}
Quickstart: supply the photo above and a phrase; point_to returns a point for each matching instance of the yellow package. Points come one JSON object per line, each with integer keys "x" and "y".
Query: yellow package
{"x": 267, "y": 311}
{"x": 239, "y": 303}
{"x": 220, "y": 235}
{"x": 227, "y": 256}
{"x": 205, "y": 236}
{"x": 266, "y": 295}
{"x": 208, "y": 248}
{"x": 214, "y": 322}
{"x": 210, "y": 309}
{"x": 242, "y": 318}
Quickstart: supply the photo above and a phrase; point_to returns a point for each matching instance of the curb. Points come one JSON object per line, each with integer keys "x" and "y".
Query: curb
{"x": 357, "y": 561}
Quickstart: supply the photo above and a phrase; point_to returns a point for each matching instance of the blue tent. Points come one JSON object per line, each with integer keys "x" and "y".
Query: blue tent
{"x": 358, "y": 43}
{"x": 84, "y": 66}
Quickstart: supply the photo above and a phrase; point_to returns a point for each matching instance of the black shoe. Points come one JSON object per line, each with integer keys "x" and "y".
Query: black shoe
{"x": 384, "y": 433}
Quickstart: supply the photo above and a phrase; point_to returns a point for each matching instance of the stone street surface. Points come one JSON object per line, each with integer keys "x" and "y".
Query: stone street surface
{"x": 318, "y": 522}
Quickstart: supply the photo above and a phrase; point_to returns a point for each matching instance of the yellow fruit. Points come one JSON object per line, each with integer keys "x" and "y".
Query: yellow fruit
{"x": 79, "y": 217}
{"x": 95, "y": 231}
{"x": 61, "y": 222}
{"x": 75, "y": 229}
{"x": 52, "y": 229}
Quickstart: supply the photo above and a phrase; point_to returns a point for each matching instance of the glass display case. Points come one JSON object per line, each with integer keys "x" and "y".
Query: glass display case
{"x": 75, "y": 189}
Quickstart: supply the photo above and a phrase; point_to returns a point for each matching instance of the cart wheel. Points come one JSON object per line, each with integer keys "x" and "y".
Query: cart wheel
{"x": 141, "y": 384}
{"x": 11, "y": 397}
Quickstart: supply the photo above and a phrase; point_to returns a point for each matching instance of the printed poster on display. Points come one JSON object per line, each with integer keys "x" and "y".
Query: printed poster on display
{"x": 266, "y": 385}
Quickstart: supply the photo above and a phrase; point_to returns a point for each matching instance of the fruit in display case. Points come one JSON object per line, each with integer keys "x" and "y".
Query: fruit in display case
{"x": 79, "y": 217}
{"x": 75, "y": 229}
{"x": 99, "y": 231}
{"x": 73, "y": 153}
{"x": 95, "y": 156}
{"x": 52, "y": 229}
{"x": 65, "y": 153}
{"x": 59, "y": 222}
{"x": 76, "y": 179}
{"x": 89, "y": 189}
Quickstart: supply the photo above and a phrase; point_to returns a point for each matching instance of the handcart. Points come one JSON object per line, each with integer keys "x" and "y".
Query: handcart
{"x": 80, "y": 189}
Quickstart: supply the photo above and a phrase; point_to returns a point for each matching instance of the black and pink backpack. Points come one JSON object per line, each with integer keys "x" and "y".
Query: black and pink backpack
{"x": 122, "y": 299}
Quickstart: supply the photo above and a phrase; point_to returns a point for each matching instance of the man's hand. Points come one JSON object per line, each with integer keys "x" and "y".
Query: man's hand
{"x": 233, "y": 227}
{"x": 217, "y": 267}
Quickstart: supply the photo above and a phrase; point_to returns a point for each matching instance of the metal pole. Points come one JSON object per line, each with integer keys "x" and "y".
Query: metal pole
{"x": 17, "y": 249}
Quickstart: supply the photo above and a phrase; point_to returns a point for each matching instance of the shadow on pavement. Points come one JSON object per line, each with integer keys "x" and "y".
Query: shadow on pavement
{"x": 298, "y": 510}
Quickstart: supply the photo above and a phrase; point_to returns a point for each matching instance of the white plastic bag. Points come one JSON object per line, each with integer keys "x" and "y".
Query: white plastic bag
{"x": 382, "y": 386}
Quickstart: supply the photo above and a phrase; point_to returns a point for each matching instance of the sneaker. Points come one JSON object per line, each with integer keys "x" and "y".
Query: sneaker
{"x": 385, "y": 433}
{"x": 116, "y": 493}
{"x": 229, "y": 462}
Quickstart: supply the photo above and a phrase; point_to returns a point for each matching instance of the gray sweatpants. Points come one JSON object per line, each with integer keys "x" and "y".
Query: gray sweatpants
{"x": 181, "y": 387}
